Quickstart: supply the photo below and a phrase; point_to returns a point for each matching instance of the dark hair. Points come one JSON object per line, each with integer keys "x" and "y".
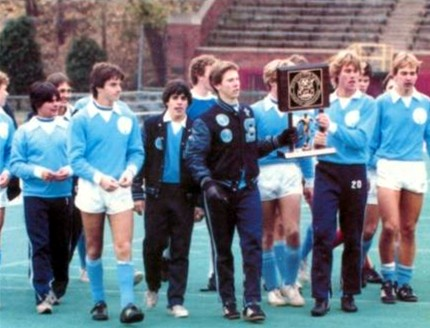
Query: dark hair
{"x": 176, "y": 87}
{"x": 101, "y": 73}
{"x": 42, "y": 92}
{"x": 366, "y": 69}
{"x": 58, "y": 78}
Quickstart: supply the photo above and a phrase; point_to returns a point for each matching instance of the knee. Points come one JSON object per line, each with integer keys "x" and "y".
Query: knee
{"x": 368, "y": 232}
{"x": 293, "y": 239}
{"x": 123, "y": 250}
{"x": 268, "y": 240}
{"x": 407, "y": 233}
{"x": 389, "y": 231}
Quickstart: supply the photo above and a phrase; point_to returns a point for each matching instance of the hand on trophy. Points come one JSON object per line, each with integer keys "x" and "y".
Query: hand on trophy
{"x": 213, "y": 191}
{"x": 323, "y": 121}
{"x": 287, "y": 137}
{"x": 320, "y": 139}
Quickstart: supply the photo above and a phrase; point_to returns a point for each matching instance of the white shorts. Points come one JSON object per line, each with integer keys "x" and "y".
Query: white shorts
{"x": 91, "y": 198}
{"x": 372, "y": 198}
{"x": 277, "y": 181}
{"x": 3, "y": 197}
{"x": 397, "y": 175}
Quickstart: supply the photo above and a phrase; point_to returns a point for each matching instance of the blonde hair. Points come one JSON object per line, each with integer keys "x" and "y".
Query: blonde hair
{"x": 4, "y": 79}
{"x": 404, "y": 59}
{"x": 343, "y": 58}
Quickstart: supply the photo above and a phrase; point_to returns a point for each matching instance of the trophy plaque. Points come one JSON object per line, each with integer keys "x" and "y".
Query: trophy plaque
{"x": 301, "y": 88}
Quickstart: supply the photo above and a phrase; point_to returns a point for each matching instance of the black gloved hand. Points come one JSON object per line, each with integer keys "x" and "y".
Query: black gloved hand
{"x": 213, "y": 191}
{"x": 287, "y": 137}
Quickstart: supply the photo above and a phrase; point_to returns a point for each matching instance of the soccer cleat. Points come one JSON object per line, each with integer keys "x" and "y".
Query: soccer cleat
{"x": 348, "y": 303}
{"x": 387, "y": 293}
{"x": 131, "y": 313}
{"x": 99, "y": 311}
{"x": 44, "y": 307}
{"x": 372, "y": 276}
{"x": 254, "y": 313}
{"x": 321, "y": 307}
{"x": 406, "y": 294}
{"x": 137, "y": 278}
{"x": 230, "y": 311}
{"x": 151, "y": 299}
{"x": 178, "y": 311}
{"x": 83, "y": 276}
{"x": 274, "y": 298}
{"x": 292, "y": 295}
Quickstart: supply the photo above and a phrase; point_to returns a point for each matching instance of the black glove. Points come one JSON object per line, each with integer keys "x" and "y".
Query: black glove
{"x": 287, "y": 137}
{"x": 213, "y": 191}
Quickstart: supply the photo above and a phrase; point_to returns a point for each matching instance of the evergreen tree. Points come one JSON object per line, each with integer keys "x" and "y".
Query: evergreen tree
{"x": 83, "y": 54}
{"x": 20, "y": 55}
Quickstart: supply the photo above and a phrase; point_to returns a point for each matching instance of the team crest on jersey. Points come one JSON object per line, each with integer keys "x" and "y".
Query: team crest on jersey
{"x": 124, "y": 125}
{"x": 247, "y": 112}
{"x": 158, "y": 143}
{"x": 419, "y": 116}
{"x": 222, "y": 119}
{"x": 4, "y": 130}
{"x": 226, "y": 135}
{"x": 352, "y": 118}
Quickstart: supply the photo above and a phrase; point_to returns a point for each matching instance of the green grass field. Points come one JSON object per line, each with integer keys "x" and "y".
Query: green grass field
{"x": 18, "y": 309}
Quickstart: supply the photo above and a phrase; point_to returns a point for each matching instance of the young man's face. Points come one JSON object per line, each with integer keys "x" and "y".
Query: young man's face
{"x": 3, "y": 94}
{"x": 49, "y": 108}
{"x": 406, "y": 78}
{"x": 348, "y": 78}
{"x": 229, "y": 88}
{"x": 110, "y": 92}
{"x": 177, "y": 106}
{"x": 65, "y": 92}
{"x": 363, "y": 83}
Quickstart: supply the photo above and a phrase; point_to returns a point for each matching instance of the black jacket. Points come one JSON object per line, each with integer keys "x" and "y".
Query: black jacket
{"x": 154, "y": 141}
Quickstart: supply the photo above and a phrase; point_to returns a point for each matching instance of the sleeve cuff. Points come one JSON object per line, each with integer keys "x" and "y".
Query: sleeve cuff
{"x": 97, "y": 178}
{"x": 309, "y": 183}
{"x": 132, "y": 169}
{"x": 333, "y": 127}
{"x": 38, "y": 170}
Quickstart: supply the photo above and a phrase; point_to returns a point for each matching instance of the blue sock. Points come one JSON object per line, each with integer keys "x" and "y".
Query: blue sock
{"x": 281, "y": 260}
{"x": 404, "y": 274}
{"x": 292, "y": 260}
{"x": 82, "y": 251}
{"x": 95, "y": 273}
{"x": 269, "y": 270}
{"x": 366, "y": 246}
{"x": 125, "y": 272}
{"x": 388, "y": 271}
{"x": 307, "y": 244}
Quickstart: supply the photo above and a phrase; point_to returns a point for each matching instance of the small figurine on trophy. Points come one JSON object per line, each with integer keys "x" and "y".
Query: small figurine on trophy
{"x": 301, "y": 88}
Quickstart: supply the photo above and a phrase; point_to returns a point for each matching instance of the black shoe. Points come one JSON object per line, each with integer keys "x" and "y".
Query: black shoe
{"x": 406, "y": 294}
{"x": 131, "y": 313}
{"x": 254, "y": 313}
{"x": 230, "y": 311}
{"x": 387, "y": 292}
{"x": 164, "y": 269}
{"x": 211, "y": 285}
{"x": 372, "y": 276}
{"x": 320, "y": 308}
{"x": 99, "y": 311}
{"x": 348, "y": 304}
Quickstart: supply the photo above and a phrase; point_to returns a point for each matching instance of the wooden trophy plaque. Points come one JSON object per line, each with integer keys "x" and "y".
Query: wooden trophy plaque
{"x": 300, "y": 88}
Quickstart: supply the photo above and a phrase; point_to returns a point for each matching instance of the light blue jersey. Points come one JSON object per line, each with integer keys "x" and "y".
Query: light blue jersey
{"x": 401, "y": 129}
{"x": 41, "y": 143}
{"x": 7, "y": 130}
{"x": 98, "y": 146}
{"x": 271, "y": 122}
{"x": 351, "y": 128}
{"x": 200, "y": 105}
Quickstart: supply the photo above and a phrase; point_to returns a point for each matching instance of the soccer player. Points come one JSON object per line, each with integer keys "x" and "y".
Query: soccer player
{"x": 105, "y": 150}
{"x": 222, "y": 155}
{"x": 403, "y": 125}
{"x": 341, "y": 183}
{"x": 39, "y": 158}
{"x": 281, "y": 189}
